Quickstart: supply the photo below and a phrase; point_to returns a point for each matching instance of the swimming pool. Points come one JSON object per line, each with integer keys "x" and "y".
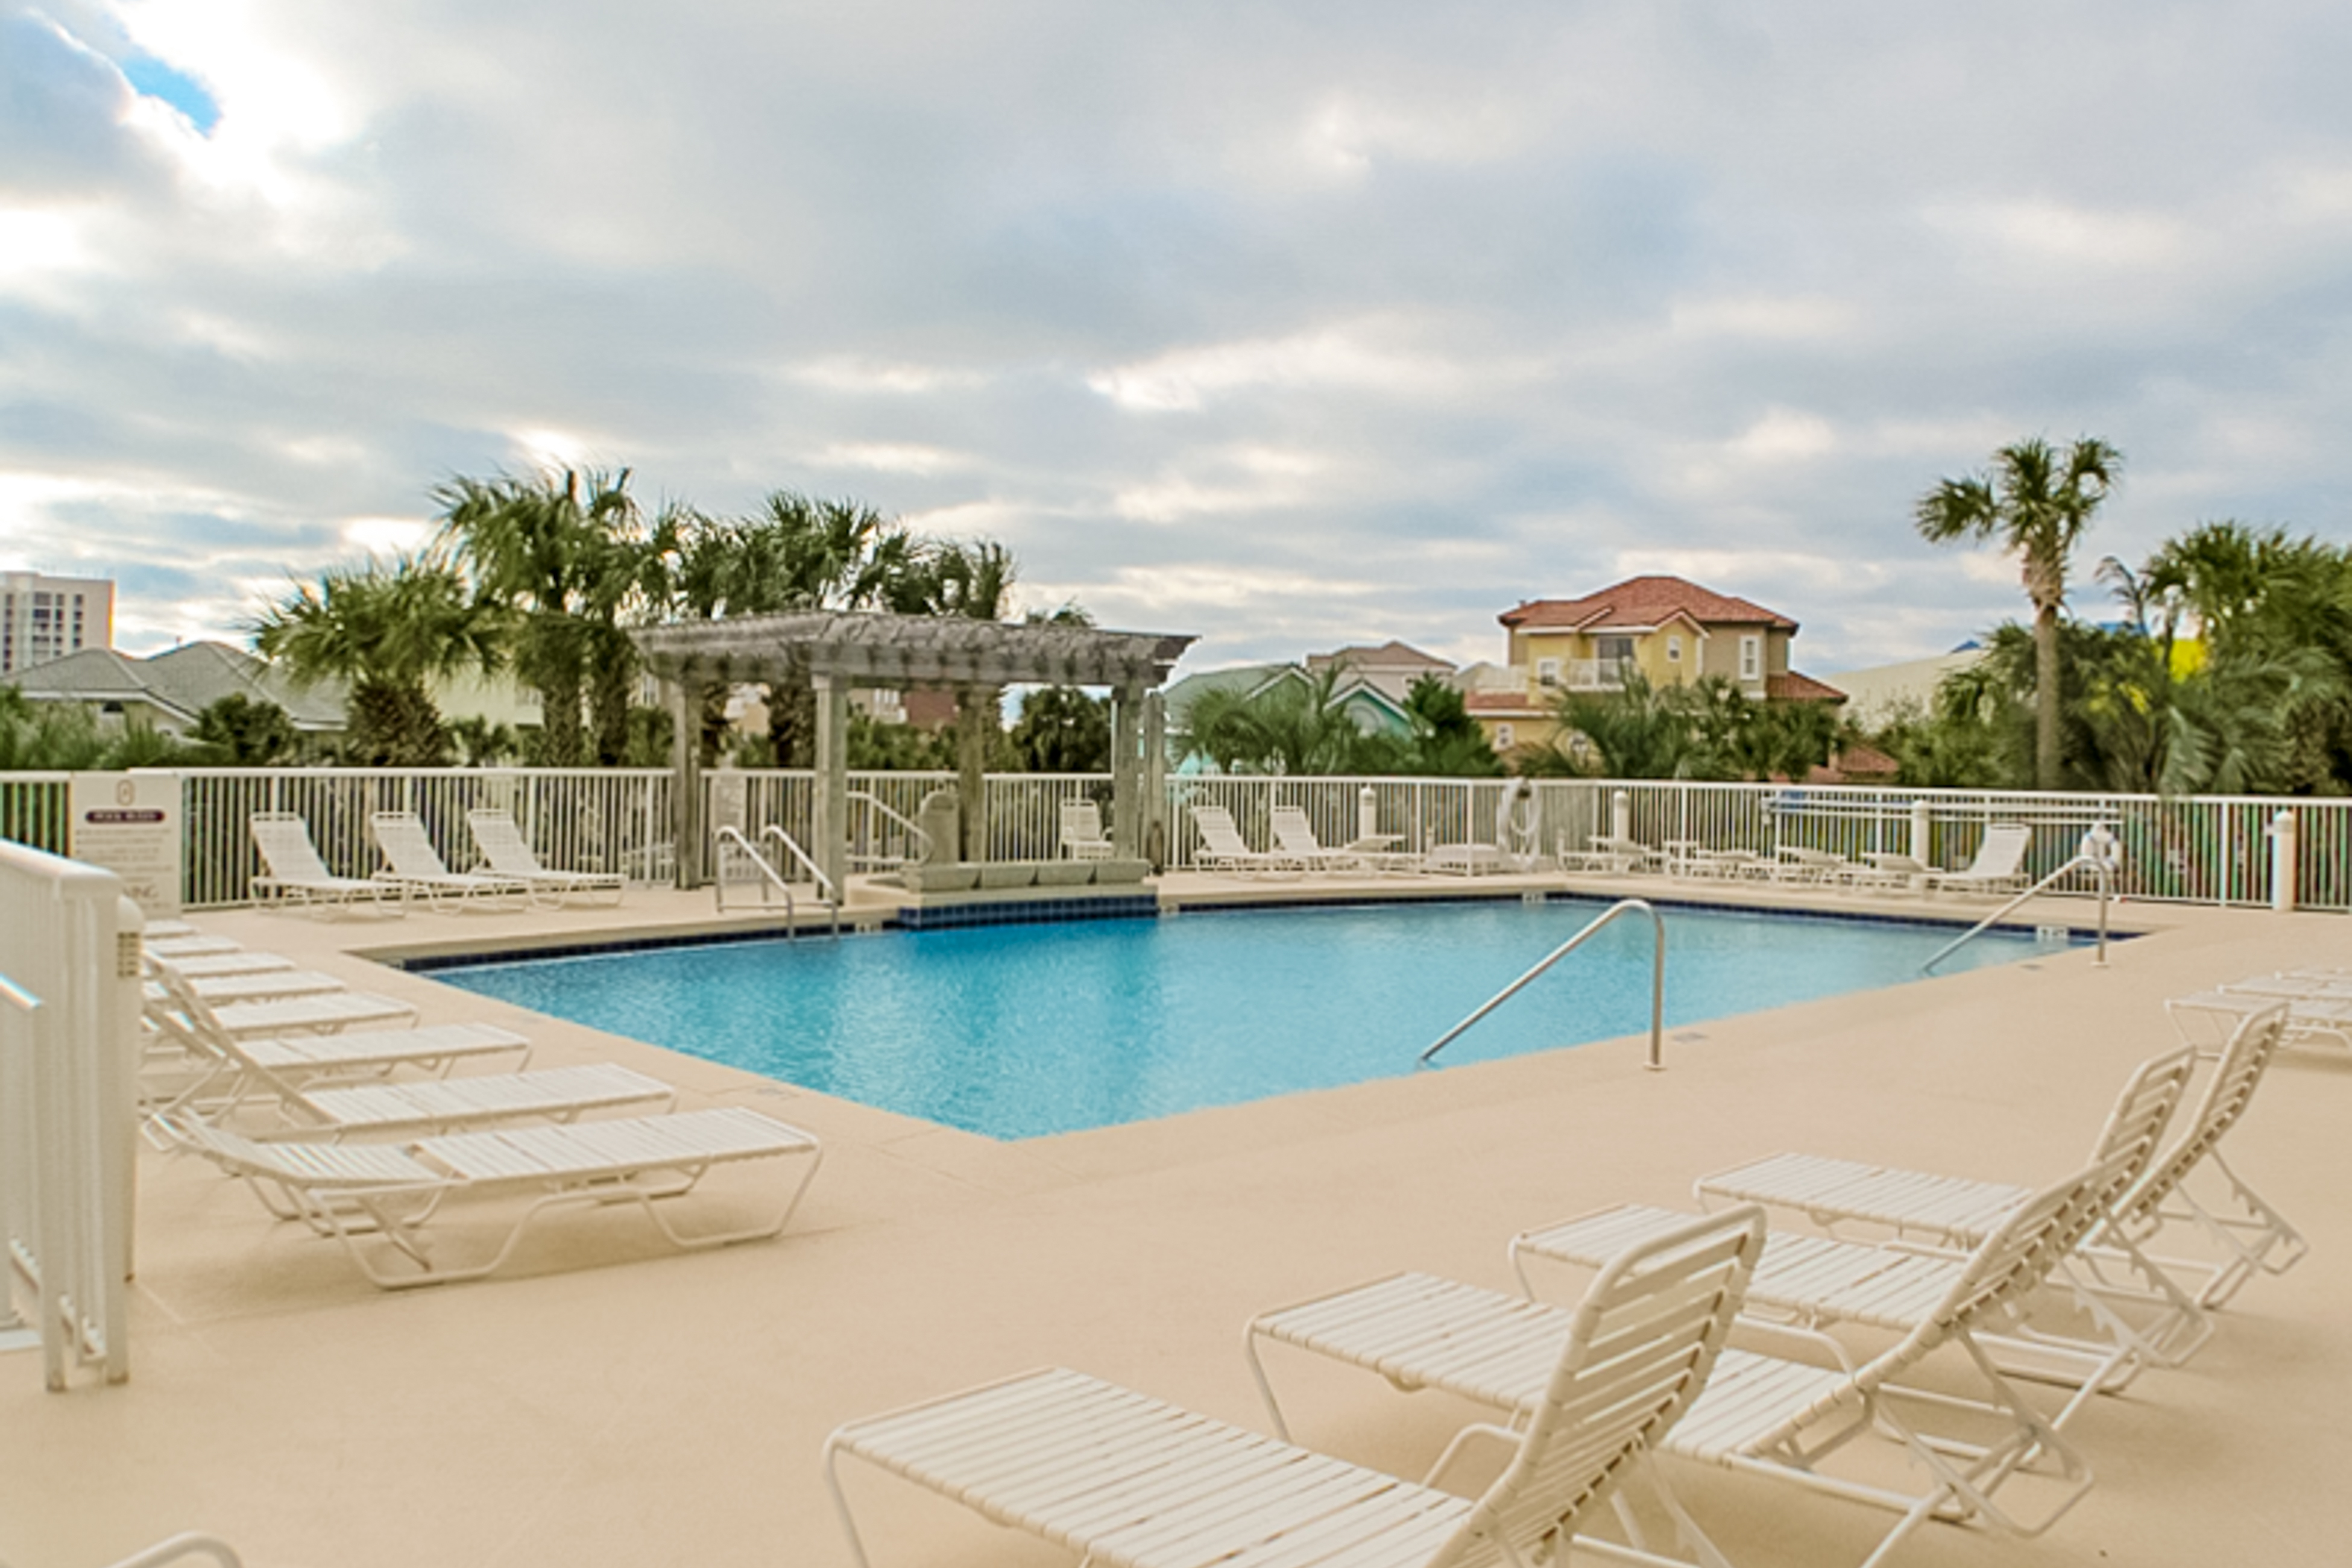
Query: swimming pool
{"x": 1016, "y": 1031}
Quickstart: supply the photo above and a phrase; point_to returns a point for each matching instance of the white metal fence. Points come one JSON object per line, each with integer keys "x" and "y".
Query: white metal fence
{"x": 69, "y": 1063}
{"x": 2201, "y": 850}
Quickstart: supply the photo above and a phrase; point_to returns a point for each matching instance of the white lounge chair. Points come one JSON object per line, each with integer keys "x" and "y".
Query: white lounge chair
{"x": 1222, "y": 848}
{"x": 1614, "y": 856}
{"x": 378, "y": 1198}
{"x": 1295, "y": 836}
{"x": 2314, "y": 1016}
{"x": 212, "y": 966}
{"x": 1784, "y": 1419}
{"x": 1999, "y": 866}
{"x": 1957, "y": 1212}
{"x": 1814, "y": 868}
{"x": 446, "y": 1104}
{"x": 222, "y": 1073}
{"x": 1083, "y": 838}
{"x": 509, "y": 854}
{"x": 296, "y": 874}
{"x": 180, "y": 1548}
{"x": 189, "y": 946}
{"x": 262, "y": 985}
{"x": 1123, "y": 1479}
{"x": 1824, "y": 1282}
{"x": 322, "y": 1013}
{"x": 414, "y": 866}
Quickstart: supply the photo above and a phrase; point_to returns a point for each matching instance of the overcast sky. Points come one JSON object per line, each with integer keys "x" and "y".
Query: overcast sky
{"x": 1287, "y": 324}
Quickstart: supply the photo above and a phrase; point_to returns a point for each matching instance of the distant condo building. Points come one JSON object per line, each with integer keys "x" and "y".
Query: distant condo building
{"x": 45, "y": 617}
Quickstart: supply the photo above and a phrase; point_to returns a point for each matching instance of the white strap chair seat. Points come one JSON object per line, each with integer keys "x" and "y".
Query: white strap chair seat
{"x": 560, "y": 1093}
{"x": 1123, "y": 1479}
{"x": 414, "y": 867}
{"x": 432, "y": 1048}
{"x": 2252, "y": 1236}
{"x": 509, "y": 854}
{"x": 296, "y": 874}
{"x": 378, "y": 1198}
{"x": 1782, "y": 1417}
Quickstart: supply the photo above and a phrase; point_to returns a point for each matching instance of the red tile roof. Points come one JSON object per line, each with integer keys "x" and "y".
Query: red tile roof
{"x": 1644, "y": 601}
{"x": 1856, "y": 763}
{"x": 1793, "y": 687}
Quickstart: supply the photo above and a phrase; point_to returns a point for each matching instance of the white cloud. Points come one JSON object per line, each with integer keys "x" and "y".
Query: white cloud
{"x": 1278, "y": 323}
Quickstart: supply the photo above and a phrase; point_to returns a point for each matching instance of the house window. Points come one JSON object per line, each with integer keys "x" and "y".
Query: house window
{"x": 1674, "y": 649}
{"x": 1502, "y": 737}
{"x": 1751, "y": 658}
{"x": 1614, "y": 650}
{"x": 1547, "y": 672}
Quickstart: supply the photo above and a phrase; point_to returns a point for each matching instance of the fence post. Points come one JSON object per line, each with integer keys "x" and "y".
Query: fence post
{"x": 2283, "y": 862}
{"x": 1922, "y": 833}
{"x": 1621, "y": 814}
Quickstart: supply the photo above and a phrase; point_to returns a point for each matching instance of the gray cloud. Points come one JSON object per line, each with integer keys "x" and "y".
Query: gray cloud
{"x": 1287, "y": 324}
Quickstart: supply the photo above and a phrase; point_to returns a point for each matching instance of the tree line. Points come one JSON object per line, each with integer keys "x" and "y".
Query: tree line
{"x": 539, "y": 578}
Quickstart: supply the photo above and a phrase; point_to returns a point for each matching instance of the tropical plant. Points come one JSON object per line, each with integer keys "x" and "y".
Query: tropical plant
{"x": 68, "y": 738}
{"x": 569, "y": 555}
{"x": 1061, "y": 730}
{"x": 798, "y": 553}
{"x": 484, "y": 742}
{"x": 1639, "y": 731}
{"x": 388, "y": 630}
{"x": 1298, "y": 726}
{"x": 240, "y": 732}
{"x": 2036, "y": 502}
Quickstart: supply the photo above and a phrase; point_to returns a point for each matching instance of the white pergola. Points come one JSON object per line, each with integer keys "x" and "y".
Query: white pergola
{"x": 838, "y": 651}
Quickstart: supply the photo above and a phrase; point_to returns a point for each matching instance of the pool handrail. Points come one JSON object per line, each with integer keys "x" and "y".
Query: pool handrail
{"x": 1657, "y": 1062}
{"x": 732, "y": 837}
{"x": 2091, "y": 858}
{"x": 914, "y": 830}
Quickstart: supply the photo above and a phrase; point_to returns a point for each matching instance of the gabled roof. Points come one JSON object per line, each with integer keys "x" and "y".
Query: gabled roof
{"x": 87, "y": 676}
{"x": 196, "y": 675}
{"x": 1793, "y": 687}
{"x": 1640, "y": 603}
{"x": 1389, "y": 656}
{"x": 182, "y": 682}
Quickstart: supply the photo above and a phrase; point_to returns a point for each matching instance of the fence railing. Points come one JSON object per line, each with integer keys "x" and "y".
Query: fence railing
{"x": 68, "y": 1104}
{"x": 2194, "y": 849}
{"x": 34, "y": 807}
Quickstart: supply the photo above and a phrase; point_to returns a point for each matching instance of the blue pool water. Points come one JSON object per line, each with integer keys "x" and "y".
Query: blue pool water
{"x": 1020, "y": 1030}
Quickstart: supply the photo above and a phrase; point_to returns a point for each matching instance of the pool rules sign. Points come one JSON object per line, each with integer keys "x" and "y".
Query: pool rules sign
{"x": 130, "y": 823}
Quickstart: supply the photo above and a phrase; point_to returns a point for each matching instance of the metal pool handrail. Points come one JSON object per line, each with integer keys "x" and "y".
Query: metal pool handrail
{"x": 731, "y": 838}
{"x": 2095, "y": 861}
{"x": 914, "y": 830}
{"x": 1657, "y": 981}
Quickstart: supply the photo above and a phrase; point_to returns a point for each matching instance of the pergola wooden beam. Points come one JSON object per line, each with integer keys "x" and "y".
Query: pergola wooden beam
{"x": 836, "y": 652}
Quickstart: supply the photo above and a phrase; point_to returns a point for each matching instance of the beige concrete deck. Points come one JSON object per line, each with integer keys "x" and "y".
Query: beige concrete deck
{"x": 608, "y": 1403}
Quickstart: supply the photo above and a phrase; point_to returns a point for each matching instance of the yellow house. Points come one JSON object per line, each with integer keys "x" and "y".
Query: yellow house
{"x": 1671, "y": 631}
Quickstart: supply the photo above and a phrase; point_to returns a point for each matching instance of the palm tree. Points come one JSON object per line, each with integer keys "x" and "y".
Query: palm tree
{"x": 797, "y": 553}
{"x": 1300, "y": 728}
{"x": 568, "y": 553}
{"x": 388, "y": 630}
{"x": 2036, "y": 502}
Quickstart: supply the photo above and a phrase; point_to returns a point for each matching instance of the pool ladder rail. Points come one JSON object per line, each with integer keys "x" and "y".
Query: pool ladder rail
{"x": 2097, "y": 856}
{"x": 731, "y": 841}
{"x": 1657, "y": 1062}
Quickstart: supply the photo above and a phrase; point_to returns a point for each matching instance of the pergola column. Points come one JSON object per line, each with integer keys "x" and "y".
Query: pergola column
{"x": 685, "y": 767}
{"x": 1154, "y": 844}
{"x": 1126, "y": 763}
{"x": 971, "y": 769}
{"x": 831, "y": 827}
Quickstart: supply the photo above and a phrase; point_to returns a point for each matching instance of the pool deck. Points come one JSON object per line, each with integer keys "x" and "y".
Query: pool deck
{"x": 606, "y": 1402}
